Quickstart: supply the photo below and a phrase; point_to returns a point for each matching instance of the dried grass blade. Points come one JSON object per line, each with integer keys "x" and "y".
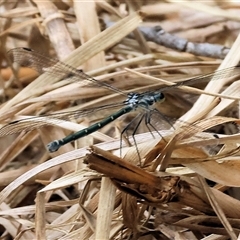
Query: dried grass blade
{"x": 40, "y": 216}
{"x": 232, "y": 59}
{"x": 105, "y": 209}
{"x": 86, "y": 12}
{"x": 15, "y": 148}
{"x": 68, "y": 180}
{"x": 90, "y": 218}
{"x": 56, "y": 28}
{"x": 19, "y": 12}
{"x": 214, "y": 203}
{"x": 106, "y": 6}
{"x": 69, "y": 156}
{"x": 21, "y": 25}
{"x": 208, "y": 9}
{"x": 232, "y": 90}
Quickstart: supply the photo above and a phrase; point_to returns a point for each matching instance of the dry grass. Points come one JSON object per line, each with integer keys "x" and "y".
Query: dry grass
{"x": 85, "y": 192}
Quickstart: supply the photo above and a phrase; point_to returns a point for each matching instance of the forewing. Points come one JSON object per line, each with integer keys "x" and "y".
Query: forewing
{"x": 231, "y": 72}
{"x": 31, "y": 123}
{"x": 26, "y": 57}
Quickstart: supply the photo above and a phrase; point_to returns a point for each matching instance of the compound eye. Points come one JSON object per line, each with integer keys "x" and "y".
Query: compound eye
{"x": 160, "y": 97}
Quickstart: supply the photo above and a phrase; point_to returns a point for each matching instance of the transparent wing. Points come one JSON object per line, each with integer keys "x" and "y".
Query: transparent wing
{"x": 27, "y": 57}
{"x": 216, "y": 75}
{"x": 31, "y": 123}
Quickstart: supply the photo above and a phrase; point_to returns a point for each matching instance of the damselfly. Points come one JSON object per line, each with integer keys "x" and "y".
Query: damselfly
{"x": 144, "y": 101}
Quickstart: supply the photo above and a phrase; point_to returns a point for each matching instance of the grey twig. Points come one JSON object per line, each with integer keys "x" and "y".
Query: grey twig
{"x": 159, "y": 36}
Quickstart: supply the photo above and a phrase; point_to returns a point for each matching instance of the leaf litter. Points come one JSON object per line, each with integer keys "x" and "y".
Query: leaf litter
{"x": 91, "y": 192}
